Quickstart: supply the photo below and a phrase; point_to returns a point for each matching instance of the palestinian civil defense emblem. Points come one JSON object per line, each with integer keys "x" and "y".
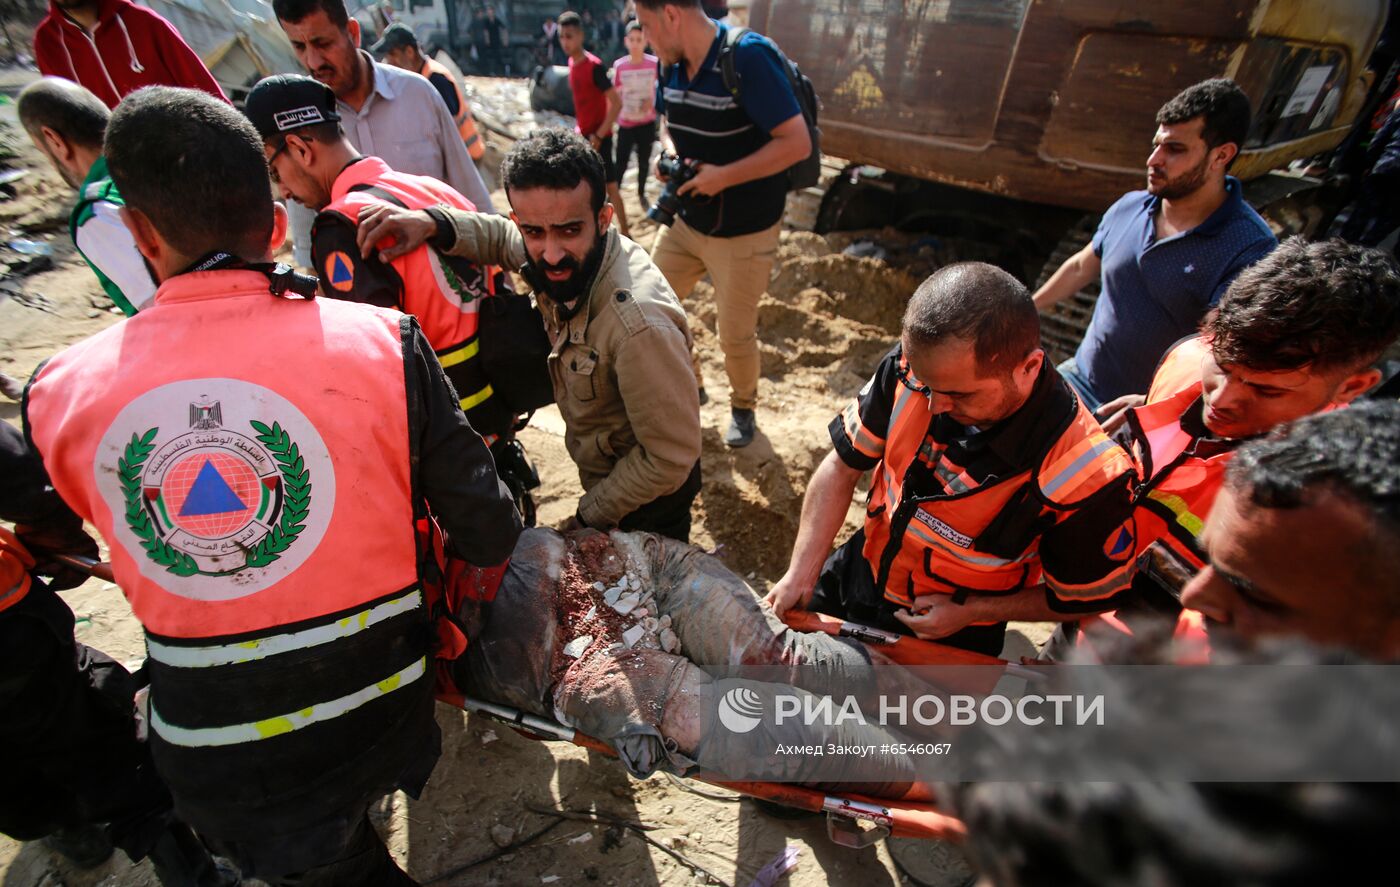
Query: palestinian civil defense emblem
{"x": 210, "y": 494}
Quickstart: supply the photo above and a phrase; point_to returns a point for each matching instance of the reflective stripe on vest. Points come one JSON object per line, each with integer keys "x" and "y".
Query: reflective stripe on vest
{"x": 261, "y": 648}
{"x": 458, "y": 357}
{"x": 235, "y": 734}
{"x": 466, "y": 124}
{"x": 928, "y": 546}
{"x": 445, "y": 301}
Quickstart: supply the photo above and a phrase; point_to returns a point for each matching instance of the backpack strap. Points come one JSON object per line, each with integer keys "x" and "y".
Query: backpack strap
{"x": 726, "y": 60}
{"x": 733, "y": 82}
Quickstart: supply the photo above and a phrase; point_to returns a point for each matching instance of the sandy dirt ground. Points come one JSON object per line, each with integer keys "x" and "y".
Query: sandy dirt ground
{"x": 827, "y": 319}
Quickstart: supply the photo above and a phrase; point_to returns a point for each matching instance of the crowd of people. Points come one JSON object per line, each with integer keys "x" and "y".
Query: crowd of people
{"x": 293, "y": 507}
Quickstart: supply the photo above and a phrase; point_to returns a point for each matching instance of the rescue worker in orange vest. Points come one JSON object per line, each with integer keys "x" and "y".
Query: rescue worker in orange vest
{"x": 1304, "y": 538}
{"x": 1298, "y": 332}
{"x": 311, "y": 160}
{"x": 72, "y": 770}
{"x": 399, "y": 47}
{"x": 255, "y": 458}
{"x": 995, "y": 496}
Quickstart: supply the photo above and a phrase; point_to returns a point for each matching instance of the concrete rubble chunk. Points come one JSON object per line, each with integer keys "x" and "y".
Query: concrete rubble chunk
{"x": 579, "y": 644}
{"x": 626, "y": 604}
{"x": 502, "y": 835}
{"x": 631, "y": 636}
{"x": 669, "y": 642}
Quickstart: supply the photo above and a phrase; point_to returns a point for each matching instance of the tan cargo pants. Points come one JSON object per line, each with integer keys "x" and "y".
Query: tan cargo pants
{"x": 739, "y": 268}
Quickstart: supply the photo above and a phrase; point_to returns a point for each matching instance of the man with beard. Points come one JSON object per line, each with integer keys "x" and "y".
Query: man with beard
{"x": 1164, "y": 255}
{"x": 620, "y": 361}
{"x": 1304, "y": 538}
{"x": 310, "y": 160}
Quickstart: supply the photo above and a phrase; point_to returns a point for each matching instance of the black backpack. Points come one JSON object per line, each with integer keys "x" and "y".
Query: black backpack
{"x": 805, "y": 173}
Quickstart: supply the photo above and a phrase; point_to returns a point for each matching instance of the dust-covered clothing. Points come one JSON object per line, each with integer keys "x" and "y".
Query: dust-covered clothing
{"x": 649, "y": 697}
{"x": 620, "y": 368}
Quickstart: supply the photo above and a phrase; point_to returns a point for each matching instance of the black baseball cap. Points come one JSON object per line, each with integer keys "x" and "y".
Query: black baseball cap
{"x": 288, "y": 102}
{"x": 396, "y": 35}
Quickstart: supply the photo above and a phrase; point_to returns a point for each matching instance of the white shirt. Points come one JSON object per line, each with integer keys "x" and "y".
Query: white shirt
{"x": 405, "y": 123}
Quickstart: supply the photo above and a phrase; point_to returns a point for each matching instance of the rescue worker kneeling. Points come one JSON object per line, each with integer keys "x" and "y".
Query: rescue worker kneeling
{"x": 255, "y": 462}
{"x": 995, "y": 495}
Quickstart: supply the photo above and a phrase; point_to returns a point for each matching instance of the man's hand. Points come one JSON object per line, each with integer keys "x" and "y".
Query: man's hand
{"x": 935, "y": 616}
{"x": 46, "y": 542}
{"x": 596, "y": 141}
{"x": 573, "y": 524}
{"x": 405, "y": 229}
{"x": 1113, "y": 414}
{"x": 709, "y": 180}
{"x": 786, "y": 594}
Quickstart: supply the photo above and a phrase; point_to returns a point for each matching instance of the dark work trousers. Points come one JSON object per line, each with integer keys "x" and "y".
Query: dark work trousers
{"x": 635, "y": 140}
{"x": 846, "y": 589}
{"x": 667, "y": 515}
{"x": 69, "y": 756}
{"x": 364, "y": 862}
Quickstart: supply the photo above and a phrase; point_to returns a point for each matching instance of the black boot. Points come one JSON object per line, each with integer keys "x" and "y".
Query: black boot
{"x": 181, "y": 860}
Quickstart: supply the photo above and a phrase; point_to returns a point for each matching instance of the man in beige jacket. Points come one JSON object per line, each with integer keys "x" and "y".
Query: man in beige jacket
{"x": 620, "y": 361}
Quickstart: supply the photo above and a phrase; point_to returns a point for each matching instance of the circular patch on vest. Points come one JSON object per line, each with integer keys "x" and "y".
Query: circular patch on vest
{"x": 218, "y": 488}
{"x": 339, "y": 272}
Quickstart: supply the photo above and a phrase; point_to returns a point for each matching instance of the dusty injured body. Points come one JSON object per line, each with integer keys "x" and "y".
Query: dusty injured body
{"x": 623, "y": 637}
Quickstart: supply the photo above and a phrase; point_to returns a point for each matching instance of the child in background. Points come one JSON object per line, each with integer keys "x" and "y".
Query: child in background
{"x": 634, "y": 75}
{"x": 597, "y": 104}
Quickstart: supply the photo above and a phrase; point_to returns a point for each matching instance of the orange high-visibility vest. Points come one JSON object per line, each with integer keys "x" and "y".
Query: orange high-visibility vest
{"x": 1178, "y": 488}
{"x": 1180, "y": 369}
{"x": 15, "y": 564}
{"x": 247, "y": 459}
{"x": 466, "y": 124}
{"x": 935, "y": 544}
{"x": 260, "y": 442}
{"x": 444, "y": 293}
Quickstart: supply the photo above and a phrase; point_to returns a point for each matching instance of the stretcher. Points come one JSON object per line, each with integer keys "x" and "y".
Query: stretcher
{"x": 853, "y": 820}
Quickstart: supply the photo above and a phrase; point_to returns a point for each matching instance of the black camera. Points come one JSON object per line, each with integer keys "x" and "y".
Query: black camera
{"x": 677, "y": 171}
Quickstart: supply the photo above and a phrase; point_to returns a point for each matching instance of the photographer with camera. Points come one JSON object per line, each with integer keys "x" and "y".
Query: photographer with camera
{"x": 735, "y": 148}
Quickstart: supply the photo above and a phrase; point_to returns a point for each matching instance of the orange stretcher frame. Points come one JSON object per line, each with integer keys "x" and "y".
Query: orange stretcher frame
{"x": 915, "y": 816}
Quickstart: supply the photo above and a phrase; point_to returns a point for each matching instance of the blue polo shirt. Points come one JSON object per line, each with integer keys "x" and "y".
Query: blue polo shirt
{"x": 1157, "y": 291}
{"x": 708, "y": 124}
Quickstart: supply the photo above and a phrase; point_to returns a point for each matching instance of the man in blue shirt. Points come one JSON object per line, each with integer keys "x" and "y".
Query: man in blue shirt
{"x": 1166, "y": 254}
{"x": 731, "y": 210}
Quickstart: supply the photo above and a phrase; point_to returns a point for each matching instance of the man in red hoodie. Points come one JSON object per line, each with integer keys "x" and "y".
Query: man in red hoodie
{"x": 114, "y": 47}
